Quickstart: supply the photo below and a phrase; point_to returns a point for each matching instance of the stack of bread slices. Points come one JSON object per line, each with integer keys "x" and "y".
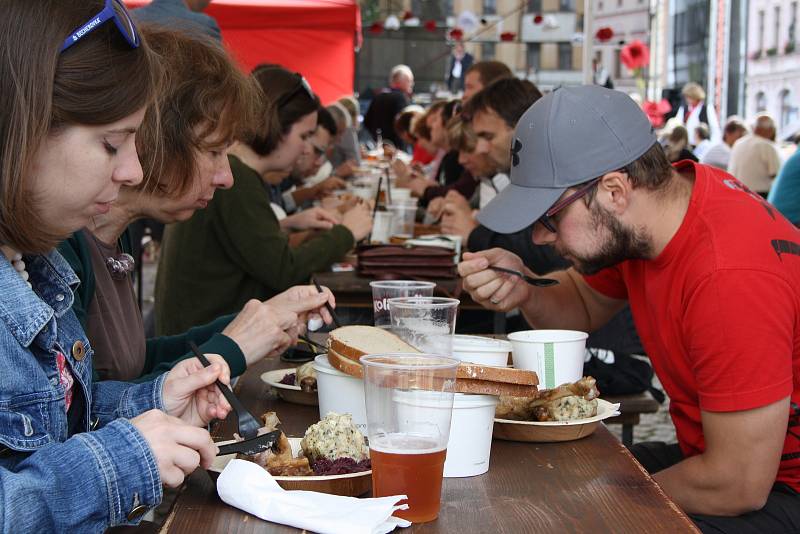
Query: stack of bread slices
{"x": 346, "y": 346}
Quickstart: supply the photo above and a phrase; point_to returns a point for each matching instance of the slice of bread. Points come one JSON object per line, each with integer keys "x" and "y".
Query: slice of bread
{"x": 463, "y": 385}
{"x": 349, "y": 343}
{"x": 345, "y": 365}
{"x": 356, "y": 341}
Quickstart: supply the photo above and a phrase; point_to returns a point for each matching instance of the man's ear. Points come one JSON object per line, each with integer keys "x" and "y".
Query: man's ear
{"x": 614, "y": 192}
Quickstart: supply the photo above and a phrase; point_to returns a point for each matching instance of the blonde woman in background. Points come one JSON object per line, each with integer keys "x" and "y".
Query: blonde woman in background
{"x": 696, "y": 110}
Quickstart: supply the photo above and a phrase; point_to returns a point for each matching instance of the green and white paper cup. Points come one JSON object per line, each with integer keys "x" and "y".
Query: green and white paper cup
{"x": 556, "y": 355}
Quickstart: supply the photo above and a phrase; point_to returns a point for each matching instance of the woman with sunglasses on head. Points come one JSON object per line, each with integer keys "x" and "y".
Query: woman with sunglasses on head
{"x": 77, "y": 455}
{"x": 235, "y": 250}
{"x": 204, "y": 106}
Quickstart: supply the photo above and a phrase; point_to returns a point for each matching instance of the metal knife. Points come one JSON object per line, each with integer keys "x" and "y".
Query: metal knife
{"x": 253, "y": 445}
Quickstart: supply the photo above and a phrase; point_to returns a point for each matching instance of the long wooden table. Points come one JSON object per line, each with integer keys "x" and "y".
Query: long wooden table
{"x": 588, "y": 485}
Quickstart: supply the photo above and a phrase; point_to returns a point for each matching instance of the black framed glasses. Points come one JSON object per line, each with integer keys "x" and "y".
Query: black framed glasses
{"x": 547, "y": 218}
{"x": 113, "y": 10}
{"x": 302, "y": 86}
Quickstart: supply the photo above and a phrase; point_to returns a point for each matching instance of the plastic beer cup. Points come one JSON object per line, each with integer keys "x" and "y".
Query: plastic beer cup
{"x": 426, "y": 323}
{"x": 384, "y": 290}
{"x": 409, "y": 400}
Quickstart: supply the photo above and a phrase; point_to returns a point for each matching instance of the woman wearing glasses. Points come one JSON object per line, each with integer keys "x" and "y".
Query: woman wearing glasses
{"x": 235, "y": 250}
{"x": 203, "y": 107}
{"x": 77, "y": 455}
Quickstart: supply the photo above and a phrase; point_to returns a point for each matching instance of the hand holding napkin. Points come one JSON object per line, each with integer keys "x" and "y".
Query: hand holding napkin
{"x": 251, "y": 488}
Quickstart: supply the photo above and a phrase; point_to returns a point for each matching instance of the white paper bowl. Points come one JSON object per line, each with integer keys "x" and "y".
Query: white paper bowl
{"x": 481, "y": 350}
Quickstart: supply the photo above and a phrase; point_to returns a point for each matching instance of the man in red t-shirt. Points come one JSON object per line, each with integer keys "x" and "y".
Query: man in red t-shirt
{"x": 712, "y": 275}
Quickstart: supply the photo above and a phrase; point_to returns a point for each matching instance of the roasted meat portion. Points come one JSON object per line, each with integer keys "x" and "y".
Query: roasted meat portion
{"x": 566, "y": 402}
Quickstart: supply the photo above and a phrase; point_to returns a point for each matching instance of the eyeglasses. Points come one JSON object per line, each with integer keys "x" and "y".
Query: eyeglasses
{"x": 302, "y": 86}
{"x": 113, "y": 10}
{"x": 582, "y": 191}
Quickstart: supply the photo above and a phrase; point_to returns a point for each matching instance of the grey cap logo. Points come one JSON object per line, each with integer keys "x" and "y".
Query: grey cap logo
{"x": 515, "y": 149}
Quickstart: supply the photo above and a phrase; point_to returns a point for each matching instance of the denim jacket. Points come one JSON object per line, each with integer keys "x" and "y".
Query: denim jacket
{"x": 51, "y": 481}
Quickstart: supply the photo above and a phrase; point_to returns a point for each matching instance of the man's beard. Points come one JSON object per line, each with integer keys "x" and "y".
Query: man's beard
{"x": 621, "y": 244}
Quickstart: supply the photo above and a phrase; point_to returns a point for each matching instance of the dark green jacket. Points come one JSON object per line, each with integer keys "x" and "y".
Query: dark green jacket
{"x": 234, "y": 251}
{"x": 164, "y": 352}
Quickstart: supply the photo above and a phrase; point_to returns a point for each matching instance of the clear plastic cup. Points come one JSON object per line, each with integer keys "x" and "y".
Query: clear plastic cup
{"x": 426, "y": 323}
{"x": 382, "y": 227}
{"x": 404, "y": 215}
{"x": 384, "y": 290}
{"x": 409, "y": 400}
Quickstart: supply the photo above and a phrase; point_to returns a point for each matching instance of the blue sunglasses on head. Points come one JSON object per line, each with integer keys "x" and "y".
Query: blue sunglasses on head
{"x": 113, "y": 10}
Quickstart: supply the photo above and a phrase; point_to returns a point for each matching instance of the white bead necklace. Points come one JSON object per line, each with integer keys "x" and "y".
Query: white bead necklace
{"x": 16, "y": 261}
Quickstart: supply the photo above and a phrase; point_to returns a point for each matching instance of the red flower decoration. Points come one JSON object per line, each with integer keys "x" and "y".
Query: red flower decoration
{"x": 538, "y": 19}
{"x": 408, "y": 15}
{"x": 507, "y": 36}
{"x": 655, "y": 111}
{"x": 430, "y": 25}
{"x": 456, "y": 34}
{"x": 604, "y": 34}
{"x": 376, "y": 28}
{"x": 635, "y": 55}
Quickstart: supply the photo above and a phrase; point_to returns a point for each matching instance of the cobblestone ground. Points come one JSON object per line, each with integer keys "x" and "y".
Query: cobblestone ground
{"x": 652, "y": 427}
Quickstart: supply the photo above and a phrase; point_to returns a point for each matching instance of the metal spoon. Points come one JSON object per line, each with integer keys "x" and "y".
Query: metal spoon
{"x": 539, "y": 282}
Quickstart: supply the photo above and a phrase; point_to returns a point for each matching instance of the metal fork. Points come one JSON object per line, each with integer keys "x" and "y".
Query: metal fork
{"x": 248, "y": 425}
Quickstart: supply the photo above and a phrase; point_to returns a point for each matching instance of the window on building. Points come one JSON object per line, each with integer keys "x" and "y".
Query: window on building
{"x": 761, "y": 102}
{"x": 793, "y": 22}
{"x": 600, "y": 5}
{"x": 534, "y": 6}
{"x": 489, "y": 7}
{"x": 427, "y": 10}
{"x": 617, "y": 64}
{"x": 788, "y": 109}
{"x": 777, "y": 27}
{"x": 619, "y": 3}
{"x": 488, "y": 50}
{"x": 566, "y": 5}
{"x": 534, "y": 56}
{"x": 690, "y": 41}
{"x": 761, "y": 24}
{"x": 564, "y": 56}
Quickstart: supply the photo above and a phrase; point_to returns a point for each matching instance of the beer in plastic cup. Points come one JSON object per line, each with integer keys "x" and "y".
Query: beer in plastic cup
{"x": 384, "y": 290}
{"x": 409, "y": 400}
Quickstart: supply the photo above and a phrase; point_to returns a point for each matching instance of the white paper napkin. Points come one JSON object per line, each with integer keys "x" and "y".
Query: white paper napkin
{"x": 251, "y": 488}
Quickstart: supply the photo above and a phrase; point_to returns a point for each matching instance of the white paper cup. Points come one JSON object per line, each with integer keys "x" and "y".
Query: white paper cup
{"x": 470, "y": 443}
{"x": 382, "y": 226}
{"x": 339, "y": 392}
{"x": 481, "y": 350}
{"x": 556, "y": 355}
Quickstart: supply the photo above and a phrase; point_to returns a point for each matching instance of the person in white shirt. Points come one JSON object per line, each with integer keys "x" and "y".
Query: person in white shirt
{"x": 697, "y": 110}
{"x": 701, "y": 140}
{"x": 719, "y": 154}
{"x": 754, "y": 159}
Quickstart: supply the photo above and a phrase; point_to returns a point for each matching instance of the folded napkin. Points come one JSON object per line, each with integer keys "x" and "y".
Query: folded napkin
{"x": 251, "y": 488}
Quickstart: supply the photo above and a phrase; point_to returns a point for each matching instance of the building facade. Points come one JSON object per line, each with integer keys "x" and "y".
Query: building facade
{"x": 773, "y": 63}
{"x": 629, "y": 20}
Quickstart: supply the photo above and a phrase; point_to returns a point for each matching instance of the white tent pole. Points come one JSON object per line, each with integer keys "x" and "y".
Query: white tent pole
{"x": 588, "y": 41}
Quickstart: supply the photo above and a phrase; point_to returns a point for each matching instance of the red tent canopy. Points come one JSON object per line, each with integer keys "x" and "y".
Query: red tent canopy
{"x": 313, "y": 37}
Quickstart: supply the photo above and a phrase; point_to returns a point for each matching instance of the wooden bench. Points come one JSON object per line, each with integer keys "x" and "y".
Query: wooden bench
{"x": 631, "y": 406}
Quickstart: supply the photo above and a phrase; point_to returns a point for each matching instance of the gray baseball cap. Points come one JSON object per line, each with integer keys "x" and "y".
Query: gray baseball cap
{"x": 567, "y": 137}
